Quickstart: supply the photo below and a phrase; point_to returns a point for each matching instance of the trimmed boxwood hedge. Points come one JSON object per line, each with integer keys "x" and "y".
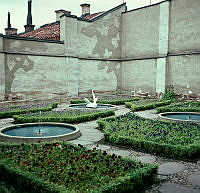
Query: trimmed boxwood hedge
{"x": 63, "y": 119}
{"x": 180, "y": 107}
{"x": 112, "y": 102}
{"x": 136, "y": 176}
{"x": 190, "y": 151}
{"x": 153, "y": 105}
{"x": 8, "y": 114}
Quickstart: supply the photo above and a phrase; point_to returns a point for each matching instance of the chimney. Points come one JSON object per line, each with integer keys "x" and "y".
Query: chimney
{"x": 9, "y": 30}
{"x": 61, "y": 12}
{"x": 29, "y": 26}
{"x": 85, "y": 9}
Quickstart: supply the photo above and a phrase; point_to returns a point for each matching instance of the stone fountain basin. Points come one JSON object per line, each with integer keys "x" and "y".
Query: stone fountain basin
{"x": 99, "y": 107}
{"x": 180, "y": 116}
{"x": 73, "y": 134}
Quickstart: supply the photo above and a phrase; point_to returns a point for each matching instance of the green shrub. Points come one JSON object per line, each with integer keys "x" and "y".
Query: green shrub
{"x": 135, "y": 107}
{"x": 62, "y": 167}
{"x": 7, "y": 114}
{"x": 112, "y": 102}
{"x": 169, "y": 94}
{"x": 63, "y": 119}
{"x": 169, "y": 139}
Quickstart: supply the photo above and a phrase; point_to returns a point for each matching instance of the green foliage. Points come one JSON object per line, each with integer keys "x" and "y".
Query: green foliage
{"x": 169, "y": 94}
{"x": 112, "y": 102}
{"x": 63, "y": 118}
{"x": 153, "y": 105}
{"x": 62, "y": 167}
{"x": 180, "y": 107}
{"x": 175, "y": 140}
{"x": 10, "y": 113}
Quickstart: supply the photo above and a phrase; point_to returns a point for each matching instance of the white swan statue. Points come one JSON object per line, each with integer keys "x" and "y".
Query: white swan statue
{"x": 89, "y": 104}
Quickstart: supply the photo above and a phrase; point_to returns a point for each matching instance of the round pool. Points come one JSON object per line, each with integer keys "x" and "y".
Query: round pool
{"x": 36, "y": 132}
{"x": 181, "y": 116}
{"x": 99, "y": 106}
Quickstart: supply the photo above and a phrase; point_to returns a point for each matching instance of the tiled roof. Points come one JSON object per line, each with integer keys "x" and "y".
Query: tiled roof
{"x": 49, "y": 31}
{"x": 91, "y": 16}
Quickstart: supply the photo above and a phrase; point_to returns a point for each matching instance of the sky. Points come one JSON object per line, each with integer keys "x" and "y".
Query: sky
{"x": 43, "y": 11}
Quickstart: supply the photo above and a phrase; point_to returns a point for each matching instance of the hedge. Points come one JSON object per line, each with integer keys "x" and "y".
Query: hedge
{"x": 135, "y": 107}
{"x": 180, "y": 107}
{"x": 7, "y": 114}
{"x": 72, "y": 119}
{"x": 190, "y": 151}
{"x": 136, "y": 178}
{"x": 24, "y": 182}
{"x": 112, "y": 102}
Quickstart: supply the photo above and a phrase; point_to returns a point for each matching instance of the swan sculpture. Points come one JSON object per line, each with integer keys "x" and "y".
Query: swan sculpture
{"x": 89, "y": 104}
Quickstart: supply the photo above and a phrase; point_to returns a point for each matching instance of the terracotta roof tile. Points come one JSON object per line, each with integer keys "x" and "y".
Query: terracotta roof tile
{"x": 48, "y": 31}
{"x": 51, "y": 31}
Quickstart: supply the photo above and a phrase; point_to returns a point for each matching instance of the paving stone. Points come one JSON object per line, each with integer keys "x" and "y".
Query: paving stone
{"x": 194, "y": 178}
{"x": 170, "y": 168}
{"x": 82, "y": 142}
{"x": 176, "y": 188}
{"x": 123, "y": 153}
{"x": 100, "y": 147}
{"x": 146, "y": 159}
{"x": 7, "y": 120}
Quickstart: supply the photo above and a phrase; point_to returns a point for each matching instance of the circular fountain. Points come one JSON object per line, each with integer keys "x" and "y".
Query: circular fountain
{"x": 98, "y": 107}
{"x": 181, "y": 116}
{"x": 39, "y": 132}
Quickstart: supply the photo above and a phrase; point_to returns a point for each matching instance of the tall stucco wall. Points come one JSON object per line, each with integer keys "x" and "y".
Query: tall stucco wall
{"x": 33, "y": 47}
{"x": 183, "y": 73}
{"x": 101, "y": 38}
{"x": 100, "y": 75}
{"x": 139, "y": 74}
{"x": 140, "y": 34}
{"x": 184, "y": 26}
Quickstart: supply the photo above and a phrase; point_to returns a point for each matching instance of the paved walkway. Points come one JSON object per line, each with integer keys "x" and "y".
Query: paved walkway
{"x": 173, "y": 176}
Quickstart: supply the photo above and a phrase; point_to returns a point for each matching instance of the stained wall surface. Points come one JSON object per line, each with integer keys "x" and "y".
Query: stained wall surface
{"x": 139, "y": 75}
{"x": 184, "y": 32}
{"x": 140, "y": 34}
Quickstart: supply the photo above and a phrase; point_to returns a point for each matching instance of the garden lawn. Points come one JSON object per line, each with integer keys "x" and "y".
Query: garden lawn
{"x": 61, "y": 167}
{"x": 176, "y": 140}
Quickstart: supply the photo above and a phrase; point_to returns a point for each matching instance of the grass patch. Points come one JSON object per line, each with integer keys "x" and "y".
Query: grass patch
{"x": 169, "y": 139}
{"x": 69, "y": 116}
{"x": 61, "y": 167}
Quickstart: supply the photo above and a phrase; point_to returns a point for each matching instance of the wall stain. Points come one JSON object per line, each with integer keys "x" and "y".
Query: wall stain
{"x": 15, "y": 62}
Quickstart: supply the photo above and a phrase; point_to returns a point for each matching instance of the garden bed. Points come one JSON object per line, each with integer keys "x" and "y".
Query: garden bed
{"x": 146, "y": 104}
{"x": 9, "y": 111}
{"x": 106, "y": 101}
{"x": 180, "y": 107}
{"x": 61, "y": 167}
{"x": 169, "y": 139}
{"x": 68, "y": 116}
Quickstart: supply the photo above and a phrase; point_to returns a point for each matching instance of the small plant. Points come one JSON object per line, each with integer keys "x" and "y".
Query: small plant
{"x": 169, "y": 93}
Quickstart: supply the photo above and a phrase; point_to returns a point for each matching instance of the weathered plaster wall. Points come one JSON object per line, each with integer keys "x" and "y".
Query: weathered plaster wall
{"x": 99, "y": 75}
{"x": 35, "y": 47}
{"x": 101, "y": 38}
{"x": 139, "y": 74}
{"x": 2, "y": 70}
{"x": 184, "y": 26}
{"x": 40, "y": 73}
{"x": 184, "y": 73}
{"x": 140, "y": 34}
